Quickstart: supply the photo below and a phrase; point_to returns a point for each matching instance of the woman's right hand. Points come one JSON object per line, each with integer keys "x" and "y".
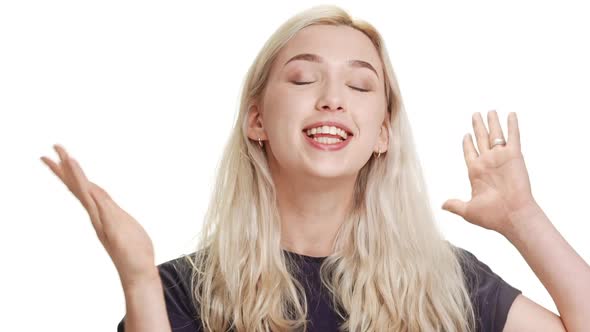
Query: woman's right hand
{"x": 124, "y": 239}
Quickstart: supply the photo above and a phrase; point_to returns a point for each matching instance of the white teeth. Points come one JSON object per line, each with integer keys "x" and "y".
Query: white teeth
{"x": 327, "y": 140}
{"x": 327, "y": 130}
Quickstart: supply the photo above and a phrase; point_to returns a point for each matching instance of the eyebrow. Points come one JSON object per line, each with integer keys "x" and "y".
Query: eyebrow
{"x": 319, "y": 59}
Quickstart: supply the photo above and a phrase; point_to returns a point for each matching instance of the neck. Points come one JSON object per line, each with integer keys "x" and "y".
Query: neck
{"x": 312, "y": 211}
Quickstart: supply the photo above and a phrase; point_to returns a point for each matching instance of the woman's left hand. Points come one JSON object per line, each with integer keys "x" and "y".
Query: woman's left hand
{"x": 500, "y": 187}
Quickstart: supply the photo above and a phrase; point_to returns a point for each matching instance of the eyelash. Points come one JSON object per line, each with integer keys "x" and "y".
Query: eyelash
{"x": 352, "y": 87}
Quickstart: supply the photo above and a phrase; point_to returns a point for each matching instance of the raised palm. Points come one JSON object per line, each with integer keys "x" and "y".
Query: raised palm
{"x": 124, "y": 239}
{"x": 500, "y": 187}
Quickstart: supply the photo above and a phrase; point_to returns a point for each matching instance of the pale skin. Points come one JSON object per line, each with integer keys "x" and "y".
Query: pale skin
{"x": 126, "y": 242}
{"x": 502, "y": 201}
{"x": 312, "y": 185}
{"x": 315, "y": 187}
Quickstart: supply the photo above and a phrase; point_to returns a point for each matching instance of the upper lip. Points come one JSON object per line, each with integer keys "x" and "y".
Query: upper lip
{"x": 329, "y": 123}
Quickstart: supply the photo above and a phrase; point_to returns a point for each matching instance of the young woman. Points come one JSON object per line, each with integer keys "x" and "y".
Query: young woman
{"x": 320, "y": 218}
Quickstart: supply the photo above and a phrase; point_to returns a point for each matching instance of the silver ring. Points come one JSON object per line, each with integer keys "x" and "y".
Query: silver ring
{"x": 498, "y": 141}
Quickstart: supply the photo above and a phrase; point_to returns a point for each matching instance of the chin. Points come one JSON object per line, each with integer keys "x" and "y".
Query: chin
{"x": 329, "y": 171}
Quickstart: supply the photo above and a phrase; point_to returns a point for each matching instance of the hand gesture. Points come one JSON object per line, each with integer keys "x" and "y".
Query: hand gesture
{"x": 124, "y": 239}
{"x": 500, "y": 186}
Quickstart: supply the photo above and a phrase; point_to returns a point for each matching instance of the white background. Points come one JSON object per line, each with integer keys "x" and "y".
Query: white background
{"x": 144, "y": 95}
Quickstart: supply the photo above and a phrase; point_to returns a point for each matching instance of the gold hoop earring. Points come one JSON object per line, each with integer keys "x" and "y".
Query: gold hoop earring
{"x": 378, "y": 155}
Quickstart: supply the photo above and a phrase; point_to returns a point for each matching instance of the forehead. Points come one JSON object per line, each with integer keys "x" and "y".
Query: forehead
{"x": 337, "y": 45}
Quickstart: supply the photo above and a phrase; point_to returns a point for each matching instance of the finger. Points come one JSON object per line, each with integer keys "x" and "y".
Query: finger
{"x": 513, "y": 131}
{"x": 61, "y": 169}
{"x": 104, "y": 203}
{"x": 61, "y": 152}
{"x": 53, "y": 167}
{"x": 495, "y": 127}
{"x": 481, "y": 133}
{"x": 455, "y": 206}
{"x": 82, "y": 185}
{"x": 469, "y": 151}
{"x": 65, "y": 168}
{"x": 72, "y": 175}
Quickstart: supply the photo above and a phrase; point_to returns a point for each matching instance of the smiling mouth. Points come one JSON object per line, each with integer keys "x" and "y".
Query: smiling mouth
{"x": 327, "y": 138}
{"x": 327, "y": 142}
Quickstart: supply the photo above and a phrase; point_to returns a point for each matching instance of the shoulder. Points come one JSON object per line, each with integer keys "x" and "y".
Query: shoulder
{"x": 176, "y": 272}
{"x": 491, "y": 295}
{"x": 176, "y": 278}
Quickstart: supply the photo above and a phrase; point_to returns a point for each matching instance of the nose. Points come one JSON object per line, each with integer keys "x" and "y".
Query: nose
{"x": 331, "y": 97}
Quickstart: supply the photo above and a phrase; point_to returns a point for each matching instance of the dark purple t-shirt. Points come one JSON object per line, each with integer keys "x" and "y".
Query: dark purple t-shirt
{"x": 491, "y": 295}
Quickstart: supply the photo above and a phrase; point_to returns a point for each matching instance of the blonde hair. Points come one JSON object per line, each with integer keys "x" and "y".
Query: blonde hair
{"x": 391, "y": 269}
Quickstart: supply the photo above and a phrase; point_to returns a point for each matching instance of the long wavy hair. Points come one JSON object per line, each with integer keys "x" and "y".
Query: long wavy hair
{"x": 390, "y": 270}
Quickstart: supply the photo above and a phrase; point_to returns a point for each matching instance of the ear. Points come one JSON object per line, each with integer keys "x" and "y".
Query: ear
{"x": 383, "y": 139}
{"x": 255, "y": 123}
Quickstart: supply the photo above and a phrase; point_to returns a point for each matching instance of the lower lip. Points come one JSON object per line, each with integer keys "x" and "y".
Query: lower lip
{"x": 327, "y": 147}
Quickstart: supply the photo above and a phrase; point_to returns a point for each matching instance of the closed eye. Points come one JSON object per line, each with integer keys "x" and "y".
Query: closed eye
{"x": 359, "y": 89}
{"x": 352, "y": 87}
{"x": 301, "y": 83}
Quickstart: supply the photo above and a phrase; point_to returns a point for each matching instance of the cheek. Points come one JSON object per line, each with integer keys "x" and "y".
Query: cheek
{"x": 280, "y": 98}
{"x": 291, "y": 98}
{"x": 369, "y": 112}
{"x": 285, "y": 105}
{"x": 369, "y": 119}
{"x": 281, "y": 119}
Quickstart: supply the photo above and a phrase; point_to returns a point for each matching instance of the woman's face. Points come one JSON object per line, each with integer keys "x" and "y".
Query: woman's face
{"x": 337, "y": 62}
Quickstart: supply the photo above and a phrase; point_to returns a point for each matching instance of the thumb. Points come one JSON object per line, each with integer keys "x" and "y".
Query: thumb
{"x": 455, "y": 206}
